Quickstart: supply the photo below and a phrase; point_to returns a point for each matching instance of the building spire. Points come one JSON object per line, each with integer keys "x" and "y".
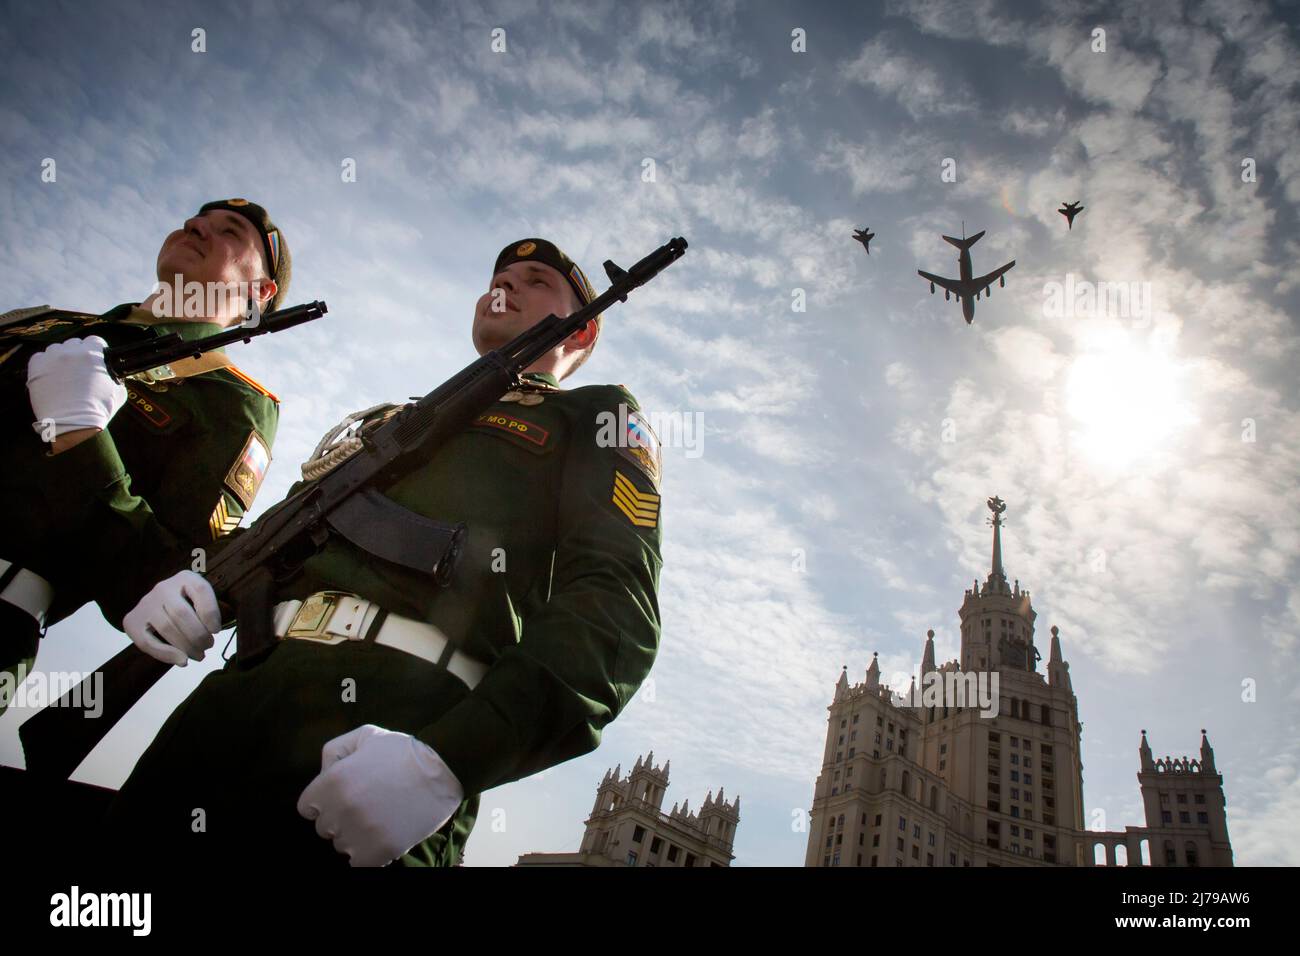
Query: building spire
{"x": 997, "y": 506}
{"x": 1144, "y": 754}
{"x": 927, "y": 656}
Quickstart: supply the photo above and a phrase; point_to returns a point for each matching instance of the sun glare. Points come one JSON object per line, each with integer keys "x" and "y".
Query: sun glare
{"x": 1128, "y": 404}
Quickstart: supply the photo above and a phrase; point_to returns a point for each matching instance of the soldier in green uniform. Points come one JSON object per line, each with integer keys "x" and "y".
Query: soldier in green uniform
{"x": 101, "y": 503}
{"x": 391, "y": 703}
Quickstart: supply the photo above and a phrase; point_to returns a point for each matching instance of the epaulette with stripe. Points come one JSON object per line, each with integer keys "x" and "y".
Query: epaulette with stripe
{"x": 251, "y": 382}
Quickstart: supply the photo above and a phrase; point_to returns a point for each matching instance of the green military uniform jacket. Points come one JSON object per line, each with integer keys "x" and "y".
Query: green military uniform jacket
{"x": 556, "y": 590}
{"x": 176, "y": 468}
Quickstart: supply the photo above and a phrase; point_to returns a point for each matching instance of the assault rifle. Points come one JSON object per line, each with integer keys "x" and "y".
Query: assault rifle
{"x": 346, "y": 502}
{"x": 124, "y": 360}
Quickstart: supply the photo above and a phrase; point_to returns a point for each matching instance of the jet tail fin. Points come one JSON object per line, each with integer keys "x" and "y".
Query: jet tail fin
{"x": 964, "y": 243}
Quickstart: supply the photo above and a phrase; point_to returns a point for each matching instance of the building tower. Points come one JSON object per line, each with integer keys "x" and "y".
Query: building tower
{"x": 982, "y": 765}
{"x": 628, "y": 827}
{"x": 1187, "y": 820}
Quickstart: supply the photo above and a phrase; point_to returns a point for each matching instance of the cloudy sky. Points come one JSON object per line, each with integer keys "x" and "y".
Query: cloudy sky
{"x": 831, "y": 502}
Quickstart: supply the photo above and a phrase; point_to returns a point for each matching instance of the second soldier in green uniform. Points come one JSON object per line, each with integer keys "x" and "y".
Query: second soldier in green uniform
{"x": 99, "y": 503}
{"x": 390, "y": 703}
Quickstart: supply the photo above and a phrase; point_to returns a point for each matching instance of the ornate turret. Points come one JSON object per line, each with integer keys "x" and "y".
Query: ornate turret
{"x": 1144, "y": 753}
{"x": 997, "y": 630}
{"x": 927, "y": 657}
{"x": 1207, "y": 754}
{"x": 1058, "y": 671}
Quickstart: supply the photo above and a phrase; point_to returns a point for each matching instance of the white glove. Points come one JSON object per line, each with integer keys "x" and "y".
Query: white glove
{"x": 69, "y": 384}
{"x": 183, "y": 612}
{"x": 379, "y": 793}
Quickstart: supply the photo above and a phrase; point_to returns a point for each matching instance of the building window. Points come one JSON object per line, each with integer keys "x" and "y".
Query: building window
{"x": 849, "y": 772}
{"x": 690, "y": 859}
{"x": 1015, "y": 830}
{"x": 672, "y": 854}
{"x": 1202, "y": 816}
{"x": 638, "y": 834}
{"x": 656, "y": 845}
{"x": 1015, "y": 776}
{"x": 1047, "y": 750}
{"x": 877, "y": 737}
{"x": 1015, "y": 793}
{"x": 1182, "y": 798}
{"x": 877, "y": 823}
{"x": 1029, "y": 796}
{"x": 835, "y": 860}
{"x": 1015, "y": 811}
{"x": 1200, "y": 798}
{"x": 952, "y": 859}
{"x": 855, "y": 717}
{"x": 943, "y": 748}
{"x": 842, "y": 723}
{"x": 829, "y": 840}
{"x": 900, "y": 844}
{"x": 853, "y": 736}
{"x": 1029, "y": 778}
{"x": 852, "y": 751}
{"x": 931, "y": 839}
{"x": 1028, "y": 763}
{"x": 873, "y": 861}
{"x": 880, "y": 722}
{"x": 875, "y": 839}
{"x": 1015, "y": 758}
{"x": 916, "y": 831}
{"x": 1015, "y": 742}
{"x": 943, "y": 764}
{"x": 826, "y": 861}
{"x": 839, "y": 839}
{"x": 889, "y": 744}
{"x": 841, "y": 740}
{"x": 631, "y": 858}
{"x": 916, "y": 852}
{"x": 902, "y": 823}
{"x": 861, "y": 837}
{"x": 1029, "y": 834}
{"x": 1184, "y": 816}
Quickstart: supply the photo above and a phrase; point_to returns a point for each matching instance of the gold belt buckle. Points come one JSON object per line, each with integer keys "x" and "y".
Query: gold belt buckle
{"x": 310, "y": 621}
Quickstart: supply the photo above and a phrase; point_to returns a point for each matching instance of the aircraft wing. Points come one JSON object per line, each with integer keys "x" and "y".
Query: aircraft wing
{"x": 984, "y": 281}
{"x": 952, "y": 285}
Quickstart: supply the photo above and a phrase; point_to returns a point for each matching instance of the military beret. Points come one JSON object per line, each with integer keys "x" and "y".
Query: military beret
{"x": 279, "y": 264}
{"x": 548, "y": 253}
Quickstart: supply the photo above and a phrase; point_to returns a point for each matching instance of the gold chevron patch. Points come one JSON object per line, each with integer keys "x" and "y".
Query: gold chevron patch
{"x": 222, "y": 521}
{"x": 640, "y": 507}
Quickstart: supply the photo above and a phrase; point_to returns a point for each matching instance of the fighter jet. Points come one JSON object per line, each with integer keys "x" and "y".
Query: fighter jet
{"x": 864, "y": 237}
{"x": 967, "y": 289}
{"x": 1069, "y": 211}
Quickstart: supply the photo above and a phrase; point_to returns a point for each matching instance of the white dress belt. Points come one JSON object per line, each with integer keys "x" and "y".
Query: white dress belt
{"x": 332, "y": 617}
{"x": 28, "y": 590}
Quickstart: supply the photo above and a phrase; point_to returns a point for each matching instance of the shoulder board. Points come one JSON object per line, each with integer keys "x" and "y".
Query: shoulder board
{"x": 20, "y": 317}
{"x": 251, "y": 382}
